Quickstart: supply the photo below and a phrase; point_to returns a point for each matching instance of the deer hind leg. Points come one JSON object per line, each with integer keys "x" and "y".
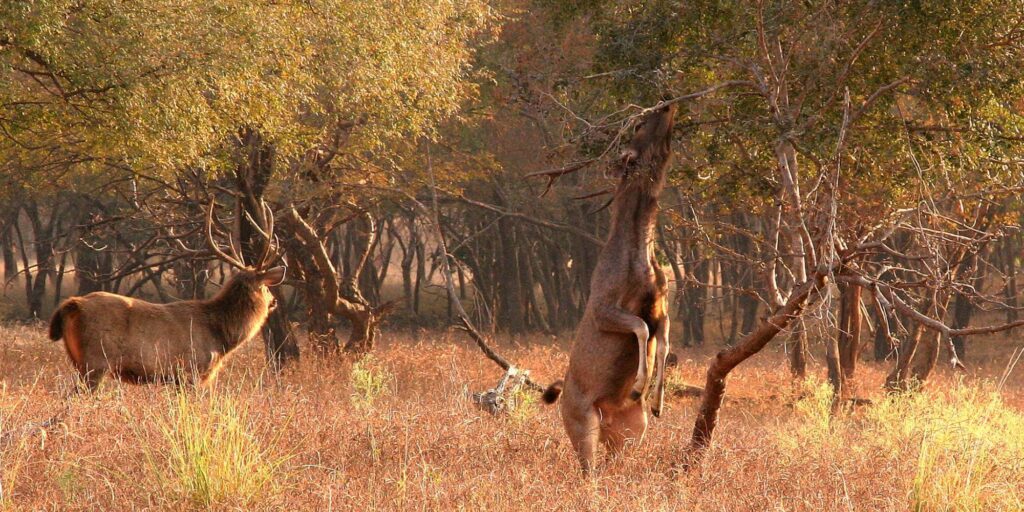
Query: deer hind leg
{"x": 618, "y": 320}
{"x": 661, "y": 357}
{"x": 582, "y": 424}
{"x": 623, "y": 428}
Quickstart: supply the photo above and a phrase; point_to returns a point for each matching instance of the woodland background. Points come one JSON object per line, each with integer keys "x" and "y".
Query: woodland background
{"x": 848, "y": 172}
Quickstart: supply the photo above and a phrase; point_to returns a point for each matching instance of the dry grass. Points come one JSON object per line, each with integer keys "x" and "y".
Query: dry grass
{"x": 399, "y": 432}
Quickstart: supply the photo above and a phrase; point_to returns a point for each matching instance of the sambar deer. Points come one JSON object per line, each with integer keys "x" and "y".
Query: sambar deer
{"x": 139, "y": 342}
{"x": 623, "y": 335}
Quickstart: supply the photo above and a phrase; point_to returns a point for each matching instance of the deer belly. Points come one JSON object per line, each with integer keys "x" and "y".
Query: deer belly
{"x": 605, "y": 363}
{"x": 156, "y": 347}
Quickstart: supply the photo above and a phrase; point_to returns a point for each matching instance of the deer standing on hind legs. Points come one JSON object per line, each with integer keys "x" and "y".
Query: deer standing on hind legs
{"x": 623, "y": 336}
{"x": 139, "y": 342}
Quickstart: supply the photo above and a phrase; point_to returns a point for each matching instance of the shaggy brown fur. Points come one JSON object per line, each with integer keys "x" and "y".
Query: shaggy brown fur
{"x": 623, "y": 336}
{"x": 138, "y": 341}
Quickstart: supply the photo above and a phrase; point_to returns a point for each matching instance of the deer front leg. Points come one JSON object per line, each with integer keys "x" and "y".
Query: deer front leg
{"x": 661, "y": 337}
{"x": 612, "y": 318}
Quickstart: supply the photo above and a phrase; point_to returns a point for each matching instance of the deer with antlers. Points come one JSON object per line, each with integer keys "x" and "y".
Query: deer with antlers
{"x": 141, "y": 342}
{"x": 623, "y": 336}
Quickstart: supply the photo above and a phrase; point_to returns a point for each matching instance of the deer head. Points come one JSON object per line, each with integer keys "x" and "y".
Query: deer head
{"x": 650, "y": 147}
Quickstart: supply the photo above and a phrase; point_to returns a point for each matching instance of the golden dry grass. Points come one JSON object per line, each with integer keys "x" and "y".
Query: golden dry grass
{"x": 400, "y": 433}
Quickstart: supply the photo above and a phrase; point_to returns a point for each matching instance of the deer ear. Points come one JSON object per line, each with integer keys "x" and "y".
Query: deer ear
{"x": 274, "y": 276}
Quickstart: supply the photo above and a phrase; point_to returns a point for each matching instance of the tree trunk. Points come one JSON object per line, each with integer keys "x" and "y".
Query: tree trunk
{"x": 714, "y": 389}
{"x": 797, "y": 350}
{"x": 43, "y": 242}
{"x": 694, "y": 299}
{"x": 963, "y": 308}
{"x": 750, "y": 305}
{"x": 511, "y": 312}
{"x": 58, "y": 281}
{"x": 421, "y": 270}
{"x": 325, "y": 292}
{"x": 928, "y": 356}
{"x": 279, "y": 345}
{"x": 252, "y": 175}
{"x": 7, "y": 246}
{"x": 906, "y": 375}
{"x": 850, "y": 324}
{"x": 883, "y": 343}
{"x": 833, "y": 360}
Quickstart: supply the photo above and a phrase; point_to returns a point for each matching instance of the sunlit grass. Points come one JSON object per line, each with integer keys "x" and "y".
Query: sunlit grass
{"x": 210, "y": 452}
{"x": 971, "y": 450}
{"x": 964, "y": 445}
{"x": 14, "y": 445}
{"x": 522, "y": 404}
{"x": 370, "y": 380}
{"x": 399, "y": 431}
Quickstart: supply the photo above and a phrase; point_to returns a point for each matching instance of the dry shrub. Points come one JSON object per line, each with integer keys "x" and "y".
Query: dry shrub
{"x": 522, "y": 404}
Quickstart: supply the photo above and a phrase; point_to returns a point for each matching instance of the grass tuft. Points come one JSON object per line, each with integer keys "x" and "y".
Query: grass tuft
{"x": 14, "y": 446}
{"x": 210, "y": 453}
{"x": 370, "y": 380}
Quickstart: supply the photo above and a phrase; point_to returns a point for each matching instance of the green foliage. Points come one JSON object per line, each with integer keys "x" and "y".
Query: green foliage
{"x": 370, "y": 380}
{"x": 956, "y": 65}
{"x": 159, "y": 85}
{"x": 522, "y": 404}
{"x": 964, "y": 445}
{"x": 212, "y": 453}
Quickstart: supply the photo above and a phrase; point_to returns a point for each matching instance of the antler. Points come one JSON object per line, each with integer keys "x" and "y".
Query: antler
{"x": 234, "y": 260}
{"x": 270, "y": 253}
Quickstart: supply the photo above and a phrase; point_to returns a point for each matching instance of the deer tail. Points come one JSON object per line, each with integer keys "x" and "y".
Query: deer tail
{"x": 57, "y": 320}
{"x": 552, "y": 393}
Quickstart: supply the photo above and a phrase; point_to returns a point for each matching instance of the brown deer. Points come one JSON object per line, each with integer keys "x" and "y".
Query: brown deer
{"x": 139, "y": 342}
{"x": 623, "y": 336}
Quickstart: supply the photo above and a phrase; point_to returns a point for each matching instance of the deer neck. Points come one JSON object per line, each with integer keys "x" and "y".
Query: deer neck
{"x": 234, "y": 319}
{"x": 635, "y": 212}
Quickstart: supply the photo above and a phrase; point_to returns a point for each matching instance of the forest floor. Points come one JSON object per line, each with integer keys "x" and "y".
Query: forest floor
{"x": 399, "y": 431}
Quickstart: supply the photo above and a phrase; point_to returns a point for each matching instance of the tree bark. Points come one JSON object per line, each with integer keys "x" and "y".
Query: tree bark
{"x": 714, "y": 389}
{"x": 7, "y": 245}
{"x": 883, "y": 346}
{"x": 897, "y": 380}
{"x": 963, "y": 308}
{"x": 323, "y": 287}
{"x": 797, "y": 350}
{"x": 42, "y": 233}
{"x": 252, "y": 176}
{"x": 833, "y": 360}
{"x": 850, "y": 324}
{"x": 512, "y": 311}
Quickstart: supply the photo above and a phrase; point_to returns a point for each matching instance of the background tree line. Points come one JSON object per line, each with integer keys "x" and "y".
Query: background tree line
{"x": 848, "y": 173}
